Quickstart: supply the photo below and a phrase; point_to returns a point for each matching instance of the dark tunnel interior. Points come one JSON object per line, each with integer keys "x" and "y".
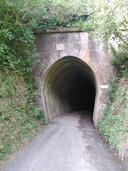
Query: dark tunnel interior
{"x": 82, "y": 94}
{"x": 69, "y": 85}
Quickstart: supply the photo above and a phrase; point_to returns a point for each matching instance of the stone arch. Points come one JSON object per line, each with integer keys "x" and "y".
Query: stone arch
{"x": 69, "y": 84}
{"x": 55, "y": 46}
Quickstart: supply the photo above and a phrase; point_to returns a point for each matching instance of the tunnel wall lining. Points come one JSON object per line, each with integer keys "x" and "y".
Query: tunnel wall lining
{"x": 59, "y": 79}
{"x": 55, "y": 46}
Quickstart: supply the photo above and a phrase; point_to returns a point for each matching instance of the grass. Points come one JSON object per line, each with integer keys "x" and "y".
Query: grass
{"x": 20, "y": 121}
{"x": 114, "y": 126}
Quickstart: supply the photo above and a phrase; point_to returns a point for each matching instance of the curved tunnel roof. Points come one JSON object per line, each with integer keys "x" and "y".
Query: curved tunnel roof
{"x": 69, "y": 84}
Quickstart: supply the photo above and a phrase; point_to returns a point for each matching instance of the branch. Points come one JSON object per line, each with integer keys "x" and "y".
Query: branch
{"x": 117, "y": 34}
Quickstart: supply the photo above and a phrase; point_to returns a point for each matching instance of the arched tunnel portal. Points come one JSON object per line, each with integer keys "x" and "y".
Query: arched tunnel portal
{"x": 68, "y": 85}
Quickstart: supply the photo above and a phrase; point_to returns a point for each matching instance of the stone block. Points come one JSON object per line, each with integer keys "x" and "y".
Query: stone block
{"x": 55, "y": 46}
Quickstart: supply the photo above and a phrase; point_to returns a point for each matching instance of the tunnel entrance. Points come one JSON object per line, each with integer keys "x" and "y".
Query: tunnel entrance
{"x": 68, "y": 85}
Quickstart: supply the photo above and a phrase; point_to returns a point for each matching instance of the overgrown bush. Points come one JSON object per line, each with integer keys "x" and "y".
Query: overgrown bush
{"x": 108, "y": 22}
{"x": 18, "y": 116}
{"x": 19, "y": 119}
{"x": 16, "y": 38}
{"x": 114, "y": 126}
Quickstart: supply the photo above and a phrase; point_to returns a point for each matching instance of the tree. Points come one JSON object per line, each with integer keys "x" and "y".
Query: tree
{"x": 109, "y": 22}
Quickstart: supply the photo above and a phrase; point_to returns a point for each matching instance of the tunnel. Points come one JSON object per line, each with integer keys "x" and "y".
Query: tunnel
{"x": 68, "y": 85}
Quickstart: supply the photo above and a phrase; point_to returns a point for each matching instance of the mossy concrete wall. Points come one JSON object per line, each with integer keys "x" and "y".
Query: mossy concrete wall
{"x": 76, "y": 46}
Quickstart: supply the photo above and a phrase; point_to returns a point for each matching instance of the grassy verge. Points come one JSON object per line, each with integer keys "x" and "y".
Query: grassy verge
{"x": 20, "y": 121}
{"x": 114, "y": 126}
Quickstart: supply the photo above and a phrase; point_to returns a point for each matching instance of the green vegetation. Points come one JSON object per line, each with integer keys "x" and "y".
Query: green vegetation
{"x": 115, "y": 124}
{"x": 19, "y": 119}
{"x": 19, "y": 20}
{"x": 108, "y": 22}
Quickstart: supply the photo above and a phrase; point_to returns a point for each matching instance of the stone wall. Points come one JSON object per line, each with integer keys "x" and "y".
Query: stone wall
{"x": 55, "y": 46}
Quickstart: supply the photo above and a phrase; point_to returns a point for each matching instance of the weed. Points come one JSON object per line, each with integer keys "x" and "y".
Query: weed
{"x": 114, "y": 126}
{"x": 19, "y": 119}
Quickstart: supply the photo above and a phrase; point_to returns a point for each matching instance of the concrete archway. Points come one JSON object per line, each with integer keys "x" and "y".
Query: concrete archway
{"x": 54, "y": 47}
{"x": 68, "y": 85}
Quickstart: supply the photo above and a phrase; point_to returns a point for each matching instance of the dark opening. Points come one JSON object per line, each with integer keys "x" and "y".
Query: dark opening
{"x": 82, "y": 94}
{"x": 69, "y": 85}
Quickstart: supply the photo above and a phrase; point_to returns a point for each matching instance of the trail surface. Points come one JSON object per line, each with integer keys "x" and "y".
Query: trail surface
{"x": 68, "y": 144}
